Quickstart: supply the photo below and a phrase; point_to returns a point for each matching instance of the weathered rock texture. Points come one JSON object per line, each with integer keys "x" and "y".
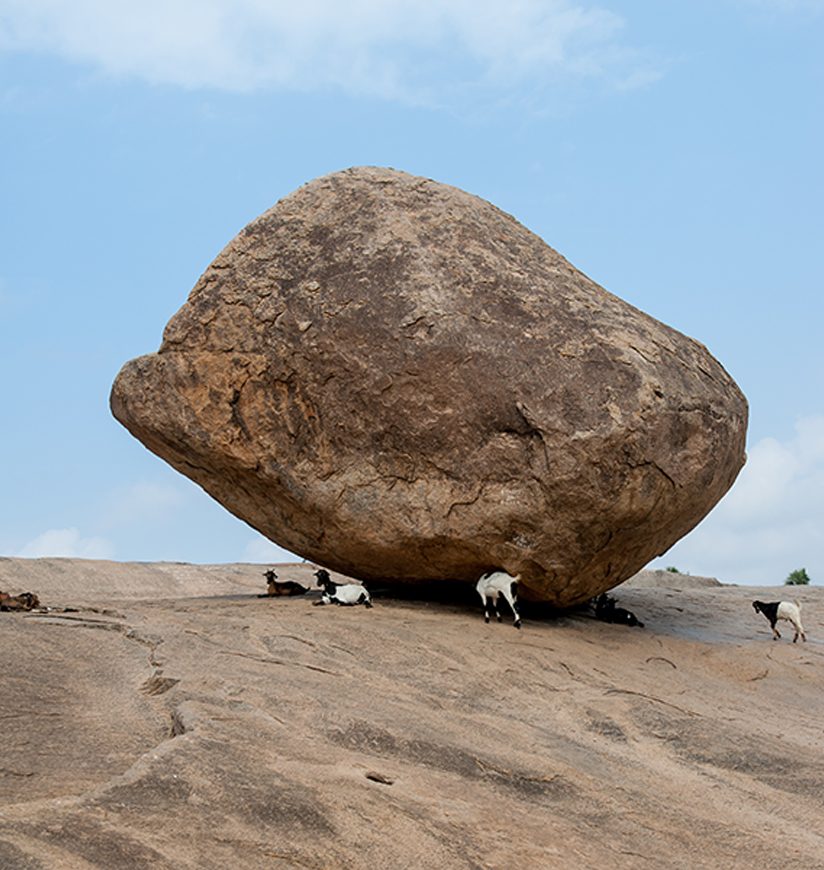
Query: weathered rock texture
{"x": 396, "y": 379}
{"x": 192, "y": 732}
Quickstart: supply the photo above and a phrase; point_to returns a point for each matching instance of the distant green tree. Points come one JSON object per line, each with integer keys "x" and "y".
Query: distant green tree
{"x": 799, "y": 577}
{"x": 672, "y": 569}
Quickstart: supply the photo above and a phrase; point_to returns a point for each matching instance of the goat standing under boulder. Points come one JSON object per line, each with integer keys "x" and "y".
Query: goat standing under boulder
{"x": 497, "y": 583}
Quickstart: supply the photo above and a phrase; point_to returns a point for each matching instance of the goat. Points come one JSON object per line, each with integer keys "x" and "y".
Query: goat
{"x": 496, "y": 583}
{"x": 775, "y": 610}
{"x": 24, "y": 601}
{"x": 607, "y": 610}
{"x": 323, "y": 578}
{"x": 286, "y": 587}
{"x": 347, "y": 594}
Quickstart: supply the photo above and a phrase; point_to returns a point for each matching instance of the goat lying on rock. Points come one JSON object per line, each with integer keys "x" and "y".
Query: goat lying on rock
{"x": 607, "y": 610}
{"x": 496, "y": 583}
{"x": 775, "y": 610}
{"x": 341, "y": 593}
{"x": 324, "y": 578}
{"x": 24, "y": 601}
{"x": 286, "y": 587}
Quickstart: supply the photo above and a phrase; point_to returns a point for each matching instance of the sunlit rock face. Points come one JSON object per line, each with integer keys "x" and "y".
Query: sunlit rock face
{"x": 396, "y": 379}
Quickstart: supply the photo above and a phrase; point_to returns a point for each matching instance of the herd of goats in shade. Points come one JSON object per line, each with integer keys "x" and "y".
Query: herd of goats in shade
{"x": 490, "y": 587}
{"x": 498, "y": 583}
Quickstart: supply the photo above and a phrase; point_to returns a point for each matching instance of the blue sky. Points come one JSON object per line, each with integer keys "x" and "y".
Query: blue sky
{"x": 671, "y": 151}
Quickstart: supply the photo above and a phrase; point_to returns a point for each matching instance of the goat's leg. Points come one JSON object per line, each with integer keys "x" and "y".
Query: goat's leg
{"x": 494, "y": 597}
{"x": 511, "y": 601}
{"x": 776, "y": 632}
{"x": 486, "y": 606}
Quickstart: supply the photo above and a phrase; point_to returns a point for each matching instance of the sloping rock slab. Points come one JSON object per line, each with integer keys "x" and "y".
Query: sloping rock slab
{"x": 394, "y": 378}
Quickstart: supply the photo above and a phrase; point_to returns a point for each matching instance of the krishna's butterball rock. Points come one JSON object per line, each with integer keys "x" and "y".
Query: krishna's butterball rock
{"x": 393, "y": 378}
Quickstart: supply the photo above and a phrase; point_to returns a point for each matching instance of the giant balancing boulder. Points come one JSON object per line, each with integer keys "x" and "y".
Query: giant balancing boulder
{"x": 397, "y": 380}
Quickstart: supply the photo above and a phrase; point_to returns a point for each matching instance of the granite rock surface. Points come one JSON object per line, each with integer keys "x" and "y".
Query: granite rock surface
{"x": 394, "y": 378}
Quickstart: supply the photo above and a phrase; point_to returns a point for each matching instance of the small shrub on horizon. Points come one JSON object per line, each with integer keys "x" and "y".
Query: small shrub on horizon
{"x": 672, "y": 569}
{"x": 799, "y": 577}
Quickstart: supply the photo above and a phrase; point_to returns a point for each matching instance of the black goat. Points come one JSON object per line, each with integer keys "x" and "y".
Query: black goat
{"x": 607, "y": 611}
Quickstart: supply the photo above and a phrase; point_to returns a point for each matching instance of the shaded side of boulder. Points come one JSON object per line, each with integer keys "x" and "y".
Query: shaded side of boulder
{"x": 396, "y": 379}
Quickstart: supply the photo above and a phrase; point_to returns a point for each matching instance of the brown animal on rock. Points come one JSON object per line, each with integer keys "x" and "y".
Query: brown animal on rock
{"x": 24, "y": 601}
{"x": 287, "y": 587}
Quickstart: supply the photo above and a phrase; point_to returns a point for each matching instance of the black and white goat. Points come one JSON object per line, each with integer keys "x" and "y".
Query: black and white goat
{"x": 775, "y": 610}
{"x": 324, "y": 578}
{"x": 347, "y": 594}
{"x": 496, "y": 583}
{"x": 277, "y": 587}
{"x": 607, "y": 610}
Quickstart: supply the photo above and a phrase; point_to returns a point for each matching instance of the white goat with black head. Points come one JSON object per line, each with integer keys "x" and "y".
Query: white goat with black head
{"x": 496, "y": 583}
{"x": 341, "y": 593}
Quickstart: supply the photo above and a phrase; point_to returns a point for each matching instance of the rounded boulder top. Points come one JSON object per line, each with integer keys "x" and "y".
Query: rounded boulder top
{"x": 394, "y": 378}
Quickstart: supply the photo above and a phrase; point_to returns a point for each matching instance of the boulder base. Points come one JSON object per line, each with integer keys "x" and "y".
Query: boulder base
{"x": 393, "y": 378}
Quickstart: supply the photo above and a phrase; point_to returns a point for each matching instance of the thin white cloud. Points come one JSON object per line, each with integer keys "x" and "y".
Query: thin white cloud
{"x": 771, "y": 522}
{"x": 390, "y": 48}
{"x": 68, "y": 543}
